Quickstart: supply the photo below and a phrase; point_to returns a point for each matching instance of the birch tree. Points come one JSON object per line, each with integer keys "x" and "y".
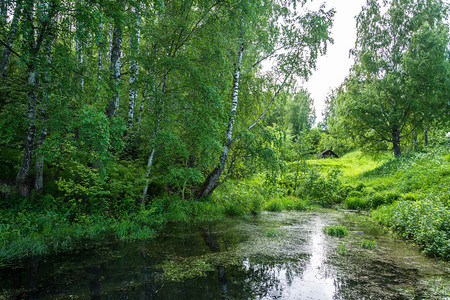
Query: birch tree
{"x": 8, "y": 44}
{"x": 79, "y": 40}
{"x": 115, "y": 69}
{"x": 34, "y": 37}
{"x": 133, "y": 65}
{"x": 186, "y": 22}
{"x": 293, "y": 43}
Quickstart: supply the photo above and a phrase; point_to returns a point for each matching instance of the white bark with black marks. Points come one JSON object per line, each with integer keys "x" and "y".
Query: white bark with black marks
{"x": 79, "y": 42}
{"x": 134, "y": 68}
{"x": 116, "y": 49}
{"x": 154, "y": 137}
{"x": 39, "y": 166}
{"x": 21, "y": 179}
{"x": 211, "y": 181}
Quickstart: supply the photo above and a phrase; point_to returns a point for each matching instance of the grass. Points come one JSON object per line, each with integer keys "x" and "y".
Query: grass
{"x": 25, "y": 232}
{"x": 409, "y": 195}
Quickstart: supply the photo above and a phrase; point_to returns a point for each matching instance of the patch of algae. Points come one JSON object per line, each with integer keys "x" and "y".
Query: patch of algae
{"x": 247, "y": 240}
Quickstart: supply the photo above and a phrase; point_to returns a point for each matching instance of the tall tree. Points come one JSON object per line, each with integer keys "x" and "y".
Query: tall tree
{"x": 37, "y": 29}
{"x": 385, "y": 101}
{"x": 115, "y": 68}
{"x": 134, "y": 39}
{"x": 301, "y": 37}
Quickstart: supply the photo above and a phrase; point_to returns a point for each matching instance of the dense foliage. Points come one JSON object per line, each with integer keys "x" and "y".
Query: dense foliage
{"x": 117, "y": 117}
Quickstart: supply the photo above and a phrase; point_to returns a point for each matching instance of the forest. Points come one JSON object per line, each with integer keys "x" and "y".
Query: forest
{"x": 120, "y": 117}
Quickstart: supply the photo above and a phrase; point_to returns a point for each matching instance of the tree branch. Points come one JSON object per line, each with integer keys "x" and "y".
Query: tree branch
{"x": 10, "y": 49}
{"x": 415, "y": 127}
{"x": 261, "y": 60}
{"x": 268, "y": 106}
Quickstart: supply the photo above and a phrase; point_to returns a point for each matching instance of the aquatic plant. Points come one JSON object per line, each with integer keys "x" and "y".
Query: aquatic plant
{"x": 273, "y": 232}
{"x": 367, "y": 244}
{"x": 341, "y": 249}
{"x": 335, "y": 230}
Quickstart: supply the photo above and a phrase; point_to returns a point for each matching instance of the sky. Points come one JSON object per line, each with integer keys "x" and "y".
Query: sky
{"x": 334, "y": 66}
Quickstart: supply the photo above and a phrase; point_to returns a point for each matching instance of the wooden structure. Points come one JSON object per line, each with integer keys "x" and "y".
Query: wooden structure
{"x": 327, "y": 154}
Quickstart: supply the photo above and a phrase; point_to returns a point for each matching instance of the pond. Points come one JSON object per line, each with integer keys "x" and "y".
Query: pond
{"x": 270, "y": 256}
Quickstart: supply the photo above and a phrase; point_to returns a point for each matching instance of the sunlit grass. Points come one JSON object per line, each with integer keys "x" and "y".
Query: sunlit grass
{"x": 351, "y": 165}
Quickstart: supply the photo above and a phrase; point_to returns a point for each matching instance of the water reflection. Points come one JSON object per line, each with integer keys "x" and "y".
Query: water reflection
{"x": 211, "y": 241}
{"x": 308, "y": 277}
{"x": 300, "y": 264}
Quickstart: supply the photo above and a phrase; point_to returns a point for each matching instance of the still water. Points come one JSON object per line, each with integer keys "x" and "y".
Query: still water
{"x": 270, "y": 256}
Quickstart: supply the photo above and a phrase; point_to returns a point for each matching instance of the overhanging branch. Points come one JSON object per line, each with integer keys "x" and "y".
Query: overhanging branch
{"x": 268, "y": 106}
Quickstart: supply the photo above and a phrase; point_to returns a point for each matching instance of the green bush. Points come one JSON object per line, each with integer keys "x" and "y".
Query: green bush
{"x": 354, "y": 194}
{"x": 324, "y": 190}
{"x": 426, "y": 222}
{"x": 383, "y": 198}
{"x": 275, "y": 205}
{"x": 293, "y": 203}
{"x": 238, "y": 199}
{"x": 358, "y": 203}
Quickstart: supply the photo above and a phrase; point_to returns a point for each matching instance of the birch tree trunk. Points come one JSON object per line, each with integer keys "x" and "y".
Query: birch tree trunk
{"x": 11, "y": 36}
{"x": 154, "y": 137}
{"x": 21, "y": 179}
{"x": 141, "y": 111}
{"x": 134, "y": 68}
{"x": 33, "y": 47}
{"x": 99, "y": 62}
{"x": 110, "y": 40}
{"x": 116, "y": 48}
{"x": 145, "y": 93}
{"x": 39, "y": 167}
{"x": 211, "y": 181}
{"x": 79, "y": 42}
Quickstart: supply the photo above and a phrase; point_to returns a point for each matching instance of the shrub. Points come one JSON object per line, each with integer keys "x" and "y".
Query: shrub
{"x": 275, "y": 205}
{"x": 238, "y": 199}
{"x": 325, "y": 190}
{"x": 426, "y": 222}
{"x": 382, "y": 198}
{"x": 358, "y": 203}
{"x": 297, "y": 204}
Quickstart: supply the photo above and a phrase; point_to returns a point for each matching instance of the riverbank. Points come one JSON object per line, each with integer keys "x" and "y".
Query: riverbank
{"x": 408, "y": 195}
{"x": 286, "y": 255}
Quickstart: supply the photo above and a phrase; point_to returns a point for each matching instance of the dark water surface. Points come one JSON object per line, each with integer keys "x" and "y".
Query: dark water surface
{"x": 270, "y": 256}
